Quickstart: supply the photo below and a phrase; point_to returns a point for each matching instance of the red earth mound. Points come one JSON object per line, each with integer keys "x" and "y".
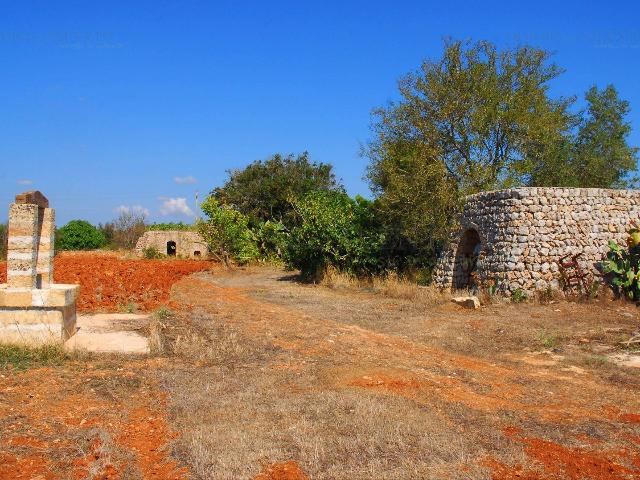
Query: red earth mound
{"x": 282, "y": 471}
{"x": 109, "y": 283}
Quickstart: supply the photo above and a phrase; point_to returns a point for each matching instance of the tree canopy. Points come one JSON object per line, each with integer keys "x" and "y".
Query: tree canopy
{"x": 480, "y": 119}
{"x": 597, "y": 154}
{"x": 265, "y": 189}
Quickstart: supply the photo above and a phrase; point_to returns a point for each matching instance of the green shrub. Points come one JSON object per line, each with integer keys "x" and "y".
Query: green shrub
{"x": 271, "y": 237}
{"x": 623, "y": 266}
{"x": 79, "y": 235}
{"x": 518, "y": 295}
{"x": 334, "y": 230}
{"x": 170, "y": 226}
{"x": 227, "y": 234}
{"x": 21, "y": 357}
{"x": 151, "y": 253}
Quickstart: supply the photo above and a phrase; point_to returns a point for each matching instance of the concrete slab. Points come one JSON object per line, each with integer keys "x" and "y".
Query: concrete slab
{"x": 110, "y": 332}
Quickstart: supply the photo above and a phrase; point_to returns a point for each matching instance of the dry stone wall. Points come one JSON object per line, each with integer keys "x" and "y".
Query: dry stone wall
{"x": 516, "y": 237}
{"x": 186, "y": 244}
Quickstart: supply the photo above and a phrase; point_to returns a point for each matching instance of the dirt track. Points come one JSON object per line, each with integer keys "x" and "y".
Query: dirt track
{"x": 568, "y": 421}
{"x": 268, "y": 375}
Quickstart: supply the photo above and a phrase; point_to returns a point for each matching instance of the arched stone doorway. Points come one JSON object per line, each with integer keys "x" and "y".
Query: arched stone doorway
{"x": 171, "y": 248}
{"x": 466, "y": 261}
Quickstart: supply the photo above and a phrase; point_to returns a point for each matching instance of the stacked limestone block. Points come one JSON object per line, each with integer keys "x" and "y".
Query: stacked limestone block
{"x": 188, "y": 244}
{"x": 524, "y": 232}
{"x": 32, "y": 308}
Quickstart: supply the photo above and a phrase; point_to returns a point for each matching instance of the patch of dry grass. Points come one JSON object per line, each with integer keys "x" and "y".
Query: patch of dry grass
{"x": 391, "y": 285}
{"x": 240, "y": 404}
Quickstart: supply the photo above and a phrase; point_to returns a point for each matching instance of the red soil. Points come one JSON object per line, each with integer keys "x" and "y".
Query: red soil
{"x": 46, "y": 410}
{"x": 558, "y": 461}
{"x": 282, "y": 471}
{"x": 109, "y": 283}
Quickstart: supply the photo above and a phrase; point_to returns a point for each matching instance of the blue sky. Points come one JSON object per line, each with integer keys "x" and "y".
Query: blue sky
{"x": 106, "y": 104}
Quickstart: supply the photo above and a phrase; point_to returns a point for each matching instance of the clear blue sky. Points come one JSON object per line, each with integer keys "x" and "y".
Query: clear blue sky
{"x": 104, "y": 104}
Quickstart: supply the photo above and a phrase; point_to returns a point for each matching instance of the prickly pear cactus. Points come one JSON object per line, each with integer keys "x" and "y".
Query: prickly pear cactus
{"x": 623, "y": 265}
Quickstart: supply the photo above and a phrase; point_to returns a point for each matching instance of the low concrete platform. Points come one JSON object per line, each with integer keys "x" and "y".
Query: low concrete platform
{"x": 110, "y": 333}
{"x": 35, "y": 316}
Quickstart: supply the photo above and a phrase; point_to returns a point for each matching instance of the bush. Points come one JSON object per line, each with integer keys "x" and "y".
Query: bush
{"x": 79, "y": 235}
{"x": 271, "y": 238}
{"x": 227, "y": 234}
{"x": 334, "y": 230}
{"x": 264, "y": 190}
{"x": 170, "y": 226}
{"x": 519, "y": 296}
{"x": 151, "y": 253}
{"x": 623, "y": 266}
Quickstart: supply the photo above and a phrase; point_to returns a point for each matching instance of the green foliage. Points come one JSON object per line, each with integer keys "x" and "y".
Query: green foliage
{"x": 226, "y": 232}
{"x": 623, "y": 266}
{"x": 477, "y": 119}
{"x": 480, "y": 119}
{"x": 598, "y": 154}
{"x": 334, "y": 230}
{"x": 152, "y": 253}
{"x": 264, "y": 190}
{"x": 170, "y": 226}
{"x": 518, "y": 296}
{"x": 547, "y": 340}
{"x": 21, "y": 357}
{"x": 3, "y": 241}
{"x": 271, "y": 238}
{"x": 79, "y": 235}
{"x": 163, "y": 313}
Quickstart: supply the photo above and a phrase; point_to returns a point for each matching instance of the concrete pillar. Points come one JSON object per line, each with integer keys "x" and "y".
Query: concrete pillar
{"x": 22, "y": 244}
{"x": 44, "y": 266}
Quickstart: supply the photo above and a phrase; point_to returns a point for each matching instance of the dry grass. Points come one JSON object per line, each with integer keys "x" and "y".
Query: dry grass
{"x": 265, "y": 377}
{"x": 391, "y": 285}
{"x": 248, "y": 404}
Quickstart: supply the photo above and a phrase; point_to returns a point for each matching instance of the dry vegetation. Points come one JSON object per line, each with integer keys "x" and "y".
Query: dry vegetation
{"x": 359, "y": 381}
{"x": 257, "y": 372}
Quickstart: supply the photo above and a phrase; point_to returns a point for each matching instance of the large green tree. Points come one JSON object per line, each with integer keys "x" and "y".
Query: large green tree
{"x": 265, "y": 189}
{"x": 477, "y": 119}
{"x": 598, "y": 153}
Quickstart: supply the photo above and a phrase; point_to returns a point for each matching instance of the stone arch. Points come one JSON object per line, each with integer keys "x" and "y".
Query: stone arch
{"x": 171, "y": 248}
{"x": 466, "y": 259}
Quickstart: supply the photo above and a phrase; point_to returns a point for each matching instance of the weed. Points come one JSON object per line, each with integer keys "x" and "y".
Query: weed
{"x": 157, "y": 342}
{"x": 547, "y": 340}
{"x": 152, "y": 253}
{"x": 546, "y": 295}
{"x": 131, "y": 307}
{"x": 518, "y": 296}
{"x": 22, "y": 357}
{"x": 163, "y": 313}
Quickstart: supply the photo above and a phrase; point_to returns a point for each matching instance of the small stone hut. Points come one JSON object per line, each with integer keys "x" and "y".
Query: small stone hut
{"x": 180, "y": 243}
{"x": 517, "y": 237}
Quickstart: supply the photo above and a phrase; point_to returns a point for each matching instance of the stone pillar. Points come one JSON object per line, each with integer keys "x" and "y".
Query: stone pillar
{"x": 22, "y": 245}
{"x": 44, "y": 267}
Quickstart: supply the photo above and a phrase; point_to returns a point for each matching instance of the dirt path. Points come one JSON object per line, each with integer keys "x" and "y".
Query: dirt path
{"x": 566, "y": 420}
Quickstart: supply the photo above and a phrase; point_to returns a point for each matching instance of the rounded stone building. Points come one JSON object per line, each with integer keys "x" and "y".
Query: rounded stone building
{"x": 517, "y": 238}
{"x": 180, "y": 243}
